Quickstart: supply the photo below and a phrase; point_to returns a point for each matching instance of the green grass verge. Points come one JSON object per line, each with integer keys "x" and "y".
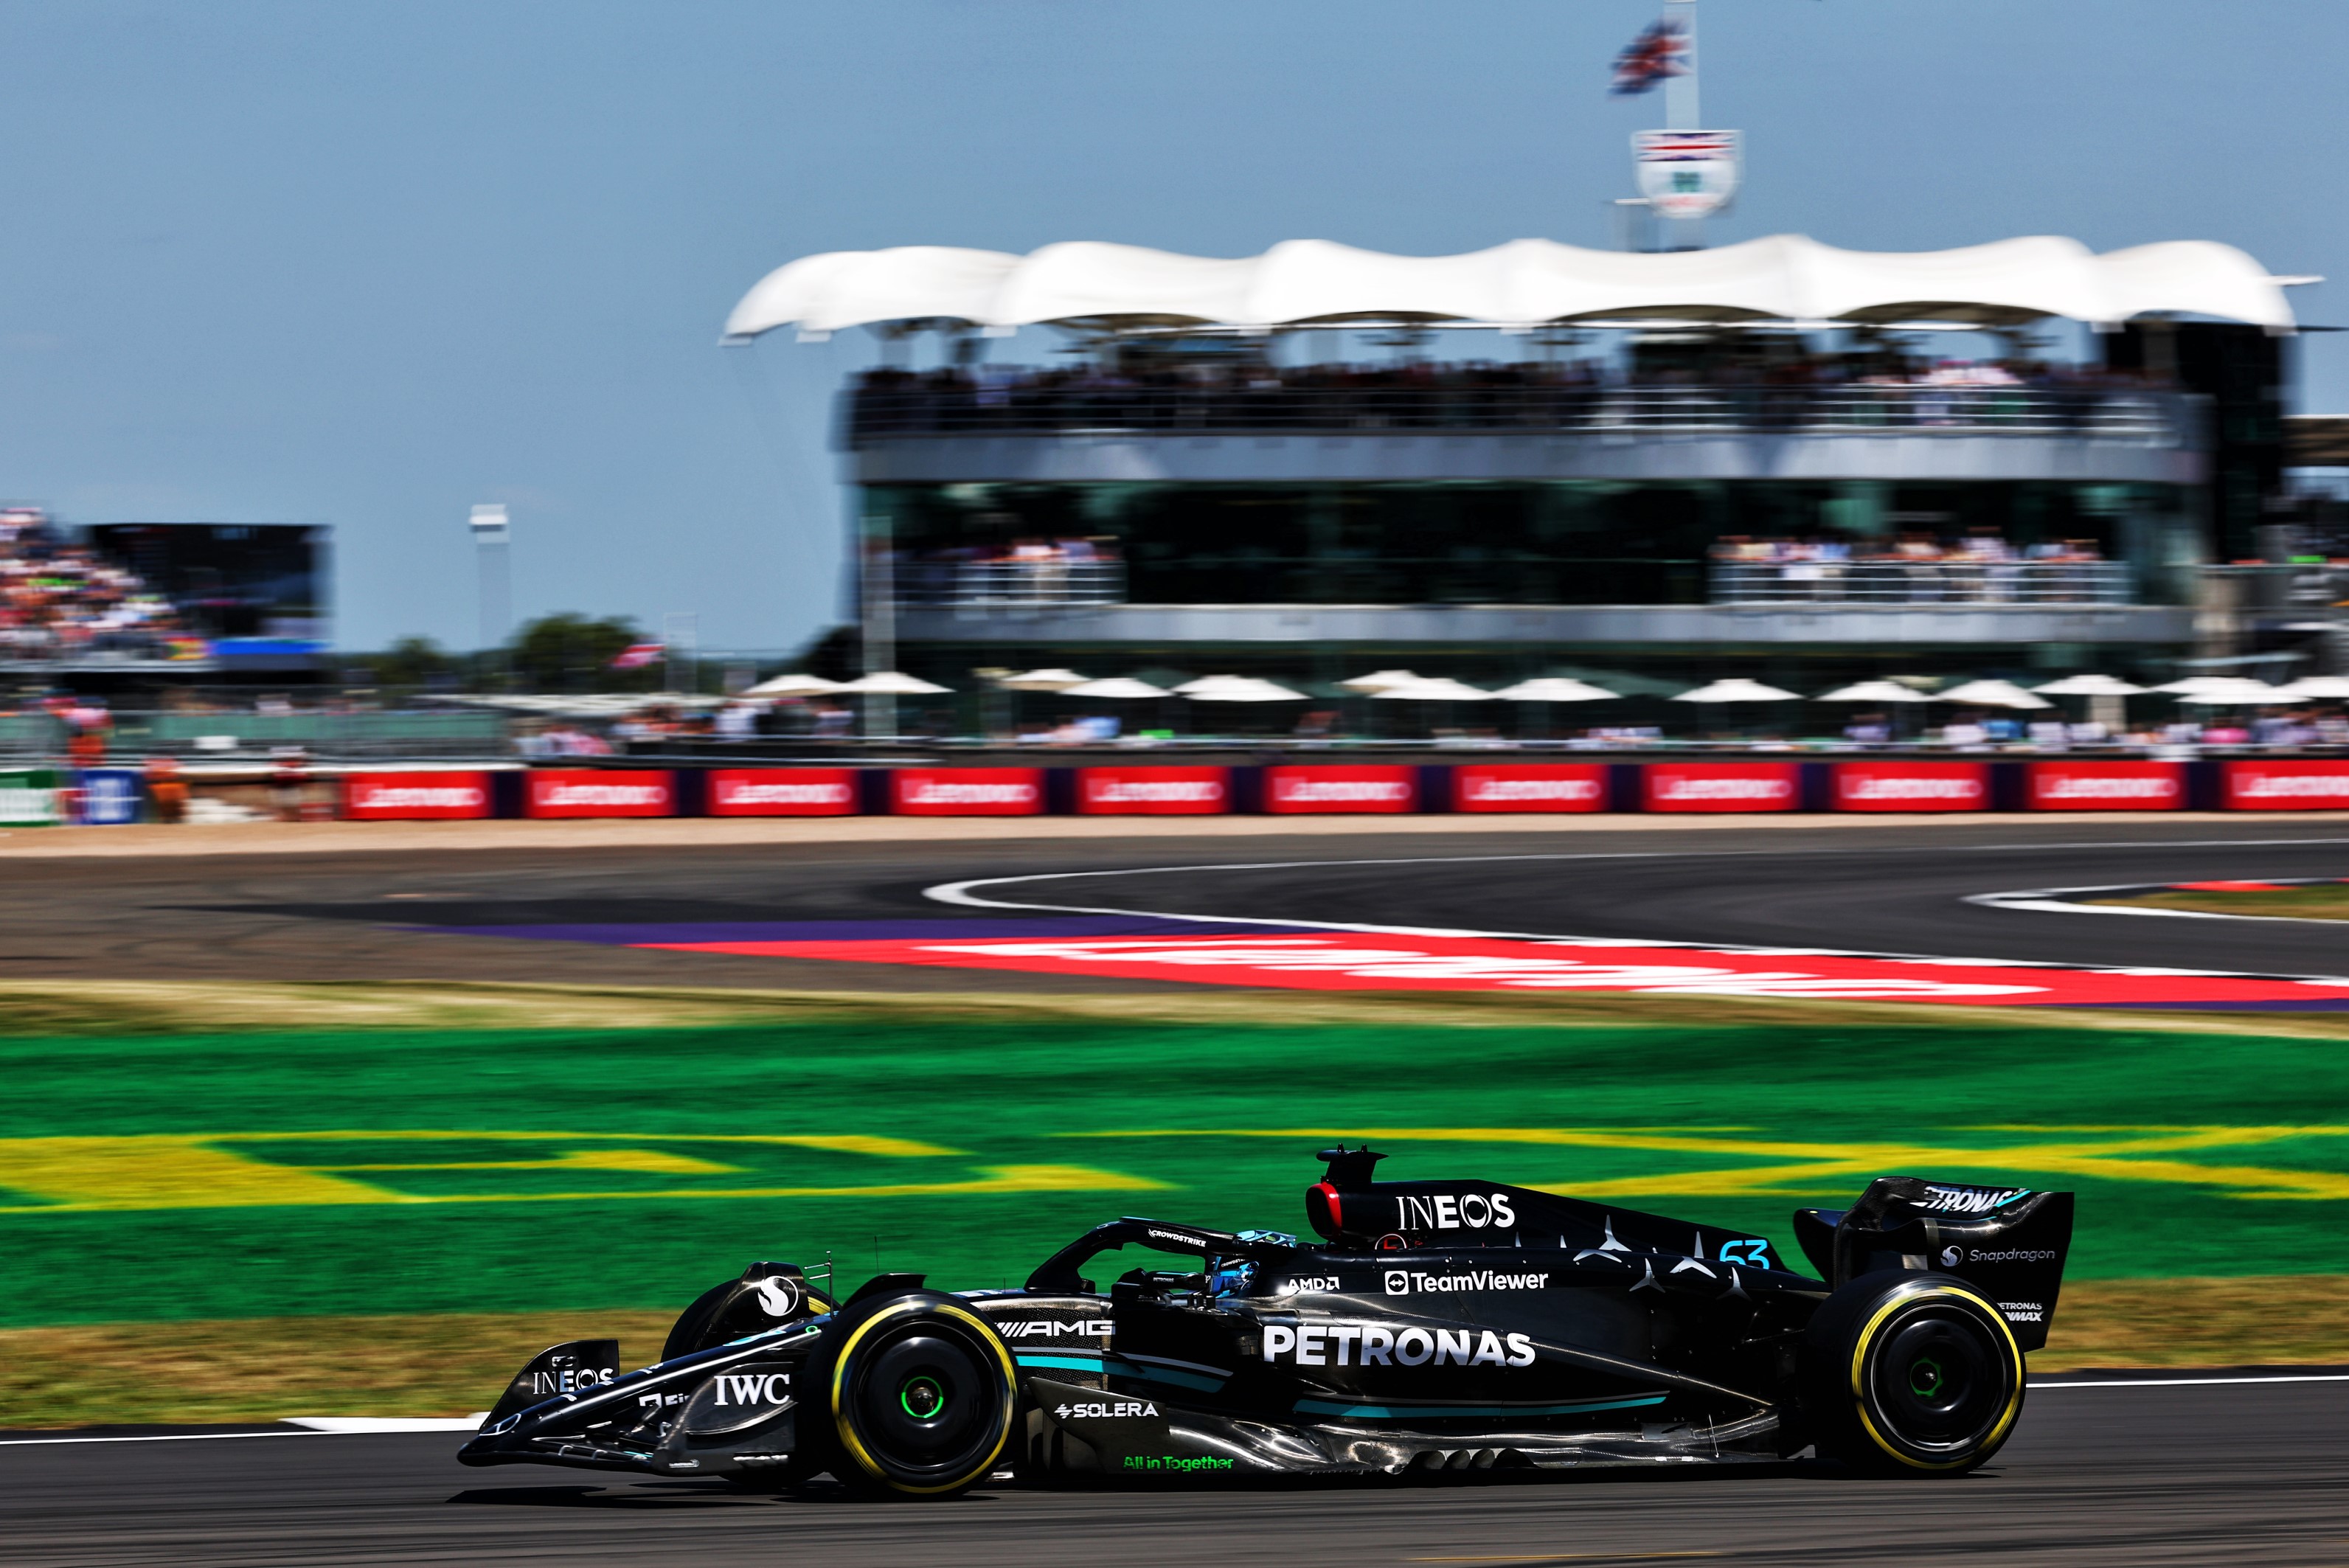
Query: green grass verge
{"x": 402, "y": 1171}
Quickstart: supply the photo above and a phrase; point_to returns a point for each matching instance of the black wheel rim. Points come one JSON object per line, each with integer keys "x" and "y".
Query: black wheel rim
{"x": 1939, "y": 1382}
{"x": 925, "y": 1402}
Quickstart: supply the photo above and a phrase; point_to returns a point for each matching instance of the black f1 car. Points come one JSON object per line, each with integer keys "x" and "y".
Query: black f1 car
{"x": 1437, "y": 1326}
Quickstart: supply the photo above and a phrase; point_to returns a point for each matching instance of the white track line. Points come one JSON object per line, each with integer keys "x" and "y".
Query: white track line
{"x": 311, "y": 1426}
{"x": 7, "y": 1443}
{"x": 964, "y": 893}
{"x": 2063, "y": 901}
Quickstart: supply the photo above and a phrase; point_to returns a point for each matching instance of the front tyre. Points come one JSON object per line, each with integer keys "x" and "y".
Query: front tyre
{"x": 1910, "y": 1374}
{"x": 920, "y": 1393}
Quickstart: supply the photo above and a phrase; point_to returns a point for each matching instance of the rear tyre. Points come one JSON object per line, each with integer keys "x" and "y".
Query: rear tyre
{"x": 1910, "y": 1374}
{"x": 920, "y": 1395}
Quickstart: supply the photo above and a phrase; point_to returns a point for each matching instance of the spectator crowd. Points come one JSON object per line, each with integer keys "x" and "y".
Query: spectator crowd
{"x": 61, "y": 602}
{"x": 1877, "y": 386}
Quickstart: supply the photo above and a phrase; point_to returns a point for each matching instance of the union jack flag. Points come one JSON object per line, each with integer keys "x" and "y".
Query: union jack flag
{"x": 1661, "y": 51}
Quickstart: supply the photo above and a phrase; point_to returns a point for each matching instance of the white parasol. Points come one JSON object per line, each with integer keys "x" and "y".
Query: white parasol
{"x": 1736, "y": 688}
{"x": 1872, "y": 691}
{"x": 1992, "y": 694}
{"x": 1554, "y": 688}
{"x": 1115, "y": 688}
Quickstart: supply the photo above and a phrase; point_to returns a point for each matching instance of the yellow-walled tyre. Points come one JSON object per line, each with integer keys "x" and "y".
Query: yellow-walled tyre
{"x": 1910, "y": 1374}
{"x": 920, "y": 1394}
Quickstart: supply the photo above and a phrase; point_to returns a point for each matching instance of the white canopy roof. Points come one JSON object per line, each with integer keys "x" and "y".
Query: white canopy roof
{"x": 1785, "y": 277}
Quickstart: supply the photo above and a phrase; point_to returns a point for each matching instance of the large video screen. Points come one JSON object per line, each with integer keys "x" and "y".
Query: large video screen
{"x": 229, "y": 580}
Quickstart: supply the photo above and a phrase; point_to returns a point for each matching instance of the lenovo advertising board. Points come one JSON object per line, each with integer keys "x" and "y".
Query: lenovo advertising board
{"x": 2103, "y": 786}
{"x": 781, "y": 792}
{"x": 599, "y": 792}
{"x": 2286, "y": 786}
{"x": 1153, "y": 792}
{"x": 1529, "y": 786}
{"x": 1912, "y": 787}
{"x": 416, "y": 796}
{"x": 1721, "y": 786}
{"x": 1293, "y": 789}
{"x": 967, "y": 792}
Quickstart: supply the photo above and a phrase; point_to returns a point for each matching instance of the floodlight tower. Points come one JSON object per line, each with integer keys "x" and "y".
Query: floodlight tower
{"x": 493, "y": 541}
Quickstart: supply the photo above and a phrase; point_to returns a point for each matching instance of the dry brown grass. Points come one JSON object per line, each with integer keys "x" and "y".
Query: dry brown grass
{"x": 82, "y": 1007}
{"x": 2256, "y": 1321}
{"x": 259, "y": 1369}
{"x": 2326, "y": 901}
{"x": 264, "y": 1368}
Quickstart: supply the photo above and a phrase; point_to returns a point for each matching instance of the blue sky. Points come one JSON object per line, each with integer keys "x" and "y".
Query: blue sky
{"x": 364, "y": 263}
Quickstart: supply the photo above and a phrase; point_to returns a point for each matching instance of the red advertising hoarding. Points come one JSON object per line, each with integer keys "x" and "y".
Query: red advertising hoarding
{"x": 599, "y": 791}
{"x": 967, "y": 792}
{"x": 1529, "y": 786}
{"x": 1721, "y": 786}
{"x": 415, "y": 797}
{"x": 781, "y": 792}
{"x": 1912, "y": 787}
{"x": 2286, "y": 786}
{"x": 2103, "y": 786}
{"x": 1359, "y": 787}
{"x": 1153, "y": 792}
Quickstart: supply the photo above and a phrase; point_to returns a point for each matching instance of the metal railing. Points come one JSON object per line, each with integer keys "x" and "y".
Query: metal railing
{"x": 2134, "y": 417}
{"x": 1010, "y": 584}
{"x": 1921, "y": 581}
{"x": 228, "y": 735}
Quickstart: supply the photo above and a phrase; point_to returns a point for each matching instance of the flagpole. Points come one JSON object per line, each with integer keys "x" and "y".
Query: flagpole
{"x": 1680, "y": 112}
{"x": 1680, "y": 91}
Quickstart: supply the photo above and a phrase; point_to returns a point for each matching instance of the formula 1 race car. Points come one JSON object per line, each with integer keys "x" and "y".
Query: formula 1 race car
{"x": 1436, "y": 1326}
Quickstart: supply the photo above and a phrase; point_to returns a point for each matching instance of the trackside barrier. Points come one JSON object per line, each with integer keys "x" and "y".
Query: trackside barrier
{"x": 599, "y": 792}
{"x": 779, "y": 792}
{"x": 1910, "y": 787}
{"x": 1531, "y": 786}
{"x": 30, "y": 799}
{"x": 37, "y": 797}
{"x": 412, "y": 797}
{"x": 107, "y": 797}
{"x": 1153, "y": 792}
{"x": 967, "y": 792}
{"x": 2311, "y": 785}
{"x": 1721, "y": 786}
{"x": 2103, "y": 786}
{"x": 1297, "y": 789}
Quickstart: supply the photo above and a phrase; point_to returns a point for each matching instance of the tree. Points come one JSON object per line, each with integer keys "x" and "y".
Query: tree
{"x": 571, "y": 652}
{"x": 409, "y": 663}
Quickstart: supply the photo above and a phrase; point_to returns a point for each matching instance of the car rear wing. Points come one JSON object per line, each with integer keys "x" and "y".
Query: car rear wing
{"x": 2009, "y": 1242}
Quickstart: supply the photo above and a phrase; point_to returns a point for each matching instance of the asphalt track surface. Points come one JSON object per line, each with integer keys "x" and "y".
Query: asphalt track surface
{"x": 1900, "y": 890}
{"x": 2240, "y": 1474}
{"x": 2247, "y": 1473}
